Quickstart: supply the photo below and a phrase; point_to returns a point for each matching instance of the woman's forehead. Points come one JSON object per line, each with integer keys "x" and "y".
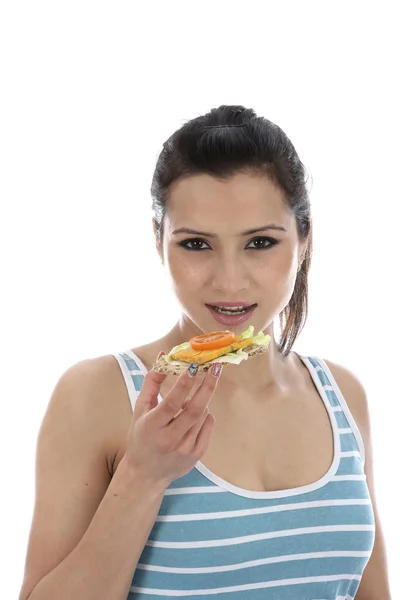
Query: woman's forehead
{"x": 240, "y": 202}
{"x": 234, "y": 186}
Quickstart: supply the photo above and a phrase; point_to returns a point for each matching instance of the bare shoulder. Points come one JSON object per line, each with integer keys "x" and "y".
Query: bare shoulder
{"x": 96, "y": 379}
{"x": 375, "y": 579}
{"x": 93, "y": 393}
{"x": 79, "y": 434}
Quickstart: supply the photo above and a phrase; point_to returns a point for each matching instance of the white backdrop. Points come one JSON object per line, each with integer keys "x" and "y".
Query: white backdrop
{"x": 90, "y": 90}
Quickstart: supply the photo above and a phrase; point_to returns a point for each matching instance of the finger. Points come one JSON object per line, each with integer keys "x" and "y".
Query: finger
{"x": 176, "y": 398}
{"x": 195, "y": 408}
{"x": 204, "y": 436}
{"x": 148, "y": 396}
{"x": 189, "y": 439}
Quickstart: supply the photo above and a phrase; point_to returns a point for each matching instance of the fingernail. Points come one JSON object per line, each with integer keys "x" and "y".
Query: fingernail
{"x": 216, "y": 369}
{"x": 160, "y": 354}
{"x": 192, "y": 370}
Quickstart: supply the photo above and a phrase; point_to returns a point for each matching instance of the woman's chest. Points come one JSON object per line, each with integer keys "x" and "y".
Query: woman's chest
{"x": 271, "y": 448}
{"x": 277, "y": 447}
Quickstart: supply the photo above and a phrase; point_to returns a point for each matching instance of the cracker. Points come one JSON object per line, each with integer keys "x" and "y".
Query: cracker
{"x": 161, "y": 365}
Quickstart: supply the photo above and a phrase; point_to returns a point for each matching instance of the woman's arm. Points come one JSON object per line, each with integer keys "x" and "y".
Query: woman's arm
{"x": 88, "y": 531}
{"x": 375, "y": 580}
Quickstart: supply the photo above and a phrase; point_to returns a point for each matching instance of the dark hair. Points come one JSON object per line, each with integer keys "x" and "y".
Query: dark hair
{"x": 233, "y": 139}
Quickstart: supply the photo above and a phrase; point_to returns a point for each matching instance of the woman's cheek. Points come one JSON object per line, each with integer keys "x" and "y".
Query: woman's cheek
{"x": 183, "y": 271}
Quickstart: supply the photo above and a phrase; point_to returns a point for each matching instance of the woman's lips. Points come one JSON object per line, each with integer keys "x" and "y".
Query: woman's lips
{"x": 230, "y": 304}
{"x": 231, "y": 320}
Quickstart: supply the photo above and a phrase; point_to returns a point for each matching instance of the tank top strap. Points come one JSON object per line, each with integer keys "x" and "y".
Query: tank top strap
{"x": 344, "y": 418}
{"x": 133, "y": 373}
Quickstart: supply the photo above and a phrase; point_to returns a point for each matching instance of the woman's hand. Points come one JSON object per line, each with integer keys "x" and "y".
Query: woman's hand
{"x": 166, "y": 440}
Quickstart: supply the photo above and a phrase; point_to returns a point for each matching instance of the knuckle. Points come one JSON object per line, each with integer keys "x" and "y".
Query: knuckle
{"x": 185, "y": 451}
{"x": 172, "y": 406}
{"x": 183, "y": 385}
{"x": 165, "y": 444}
{"x": 195, "y": 410}
{"x": 209, "y": 385}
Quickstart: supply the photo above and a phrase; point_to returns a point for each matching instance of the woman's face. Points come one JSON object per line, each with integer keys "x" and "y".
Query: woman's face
{"x": 223, "y": 263}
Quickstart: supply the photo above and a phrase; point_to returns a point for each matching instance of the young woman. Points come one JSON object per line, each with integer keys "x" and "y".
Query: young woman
{"x": 253, "y": 481}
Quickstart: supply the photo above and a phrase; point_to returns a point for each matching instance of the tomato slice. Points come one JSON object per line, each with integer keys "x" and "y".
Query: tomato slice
{"x": 211, "y": 341}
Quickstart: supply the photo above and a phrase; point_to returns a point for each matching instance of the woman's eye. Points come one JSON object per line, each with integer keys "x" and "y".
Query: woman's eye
{"x": 258, "y": 243}
{"x": 261, "y": 243}
{"x": 194, "y": 245}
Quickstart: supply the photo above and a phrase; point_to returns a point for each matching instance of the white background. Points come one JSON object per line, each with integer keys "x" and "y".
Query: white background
{"x": 90, "y": 91}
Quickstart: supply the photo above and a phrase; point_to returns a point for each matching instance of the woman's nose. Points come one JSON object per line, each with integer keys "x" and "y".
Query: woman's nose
{"x": 229, "y": 276}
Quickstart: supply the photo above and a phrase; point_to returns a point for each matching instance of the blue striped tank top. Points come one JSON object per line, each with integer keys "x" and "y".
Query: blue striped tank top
{"x": 212, "y": 538}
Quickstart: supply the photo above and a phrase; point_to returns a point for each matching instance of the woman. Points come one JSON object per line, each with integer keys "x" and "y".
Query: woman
{"x": 247, "y": 482}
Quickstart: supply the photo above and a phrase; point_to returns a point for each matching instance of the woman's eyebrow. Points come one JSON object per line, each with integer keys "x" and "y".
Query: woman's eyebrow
{"x": 272, "y": 227}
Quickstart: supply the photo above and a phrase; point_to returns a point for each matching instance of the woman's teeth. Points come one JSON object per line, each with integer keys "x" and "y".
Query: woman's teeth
{"x": 234, "y": 310}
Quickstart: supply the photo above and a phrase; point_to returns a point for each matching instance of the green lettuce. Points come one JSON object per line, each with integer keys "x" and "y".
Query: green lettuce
{"x": 184, "y": 346}
{"x": 262, "y": 340}
{"x": 248, "y": 333}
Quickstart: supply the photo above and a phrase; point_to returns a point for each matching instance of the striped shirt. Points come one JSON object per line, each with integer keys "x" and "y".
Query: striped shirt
{"x": 212, "y": 538}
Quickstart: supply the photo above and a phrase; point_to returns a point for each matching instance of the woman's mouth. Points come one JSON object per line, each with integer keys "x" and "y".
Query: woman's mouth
{"x": 230, "y": 314}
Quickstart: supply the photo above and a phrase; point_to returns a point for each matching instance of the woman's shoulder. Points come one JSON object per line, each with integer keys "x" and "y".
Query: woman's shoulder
{"x": 95, "y": 378}
{"x": 352, "y": 390}
{"x": 148, "y": 353}
{"x": 95, "y": 396}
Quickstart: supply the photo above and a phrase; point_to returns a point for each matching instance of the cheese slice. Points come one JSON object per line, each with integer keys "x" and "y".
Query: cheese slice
{"x": 203, "y": 356}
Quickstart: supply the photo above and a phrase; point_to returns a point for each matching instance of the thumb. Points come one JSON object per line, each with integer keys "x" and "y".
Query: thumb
{"x": 148, "y": 396}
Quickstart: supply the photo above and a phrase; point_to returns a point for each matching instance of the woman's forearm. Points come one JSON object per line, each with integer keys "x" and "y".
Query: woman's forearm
{"x": 103, "y": 563}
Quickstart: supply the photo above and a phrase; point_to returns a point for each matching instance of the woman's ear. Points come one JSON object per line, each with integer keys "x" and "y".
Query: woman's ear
{"x": 157, "y": 240}
{"x": 301, "y": 256}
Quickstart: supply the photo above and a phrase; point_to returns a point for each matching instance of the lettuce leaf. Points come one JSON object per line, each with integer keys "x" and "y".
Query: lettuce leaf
{"x": 261, "y": 339}
{"x": 232, "y": 357}
{"x": 248, "y": 333}
{"x": 184, "y": 346}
